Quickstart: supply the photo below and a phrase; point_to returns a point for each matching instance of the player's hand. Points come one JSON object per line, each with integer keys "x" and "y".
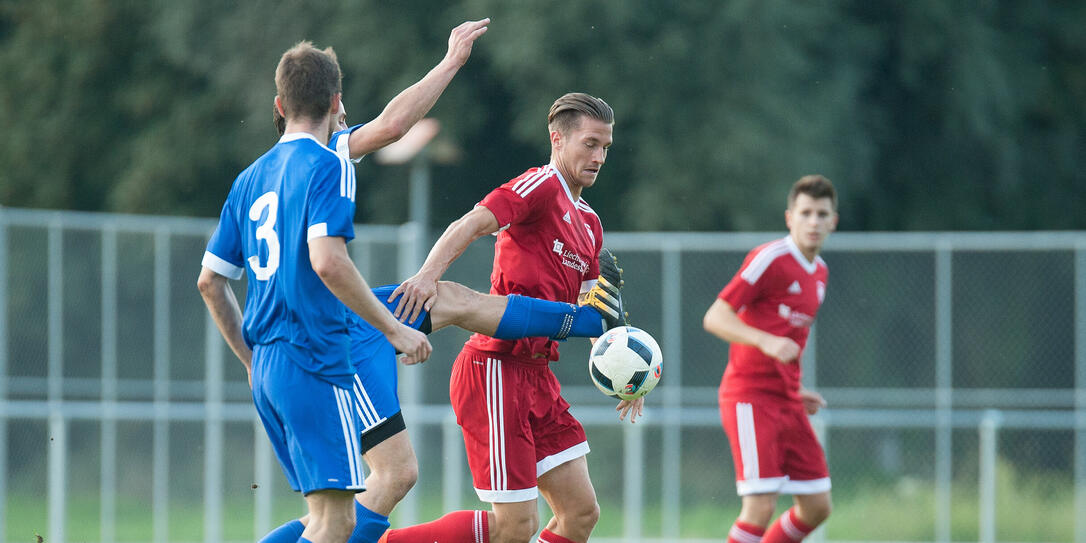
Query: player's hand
{"x": 780, "y": 348}
{"x": 419, "y": 293}
{"x": 412, "y": 343}
{"x": 635, "y": 408}
{"x": 812, "y": 401}
{"x": 462, "y": 38}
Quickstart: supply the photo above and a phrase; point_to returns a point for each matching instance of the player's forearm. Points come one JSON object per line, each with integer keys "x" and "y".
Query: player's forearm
{"x": 344, "y": 281}
{"x": 724, "y": 323}
{"x": 406, "y": 109}
{"x": 225, "y": 311}
{"x": 456, "y": 239}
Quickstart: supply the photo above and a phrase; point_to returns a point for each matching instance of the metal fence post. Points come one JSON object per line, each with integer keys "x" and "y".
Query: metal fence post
{"x": 58, "y": 430}
{"x": 633, "y": 485}
{"x": 160, "y": 462}
{"x": 108, "y": 492}
{"x": 213, "y": 434}
{"x": 1080, "y": 394}
{"x": 3, "y": 369}
{"x": 989, "y": 450}
{"x": 944, "y": 376}
{"x": 671, "y": 344}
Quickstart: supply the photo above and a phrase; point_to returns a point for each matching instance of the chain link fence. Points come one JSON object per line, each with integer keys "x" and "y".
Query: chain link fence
{"x": 953, "y": 365}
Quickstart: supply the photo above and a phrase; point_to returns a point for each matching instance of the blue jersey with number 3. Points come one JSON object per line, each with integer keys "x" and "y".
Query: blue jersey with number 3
{"x": 299, "y": 190}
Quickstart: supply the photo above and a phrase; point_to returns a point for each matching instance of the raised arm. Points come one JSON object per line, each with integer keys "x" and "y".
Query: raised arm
{"x": 415, "y": 101}
{"x": 420, "y": 291}
{"x": 225, "y": 311}
{"x": 722, "y": 321}
{"x": 328, "y": 256}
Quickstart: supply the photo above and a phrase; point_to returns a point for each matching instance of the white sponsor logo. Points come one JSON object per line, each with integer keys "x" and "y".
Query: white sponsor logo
{"x": 573, "y": 260}
{"x": 566, "y": 218}
{"x": 794, "y": 288}
{"x": 821, "y": 291}
{"x": 558, "y": 246}
{"x": 794, "y": 318}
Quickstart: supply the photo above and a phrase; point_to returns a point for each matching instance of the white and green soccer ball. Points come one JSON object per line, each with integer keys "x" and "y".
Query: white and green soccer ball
{"x": 625, "y": 363}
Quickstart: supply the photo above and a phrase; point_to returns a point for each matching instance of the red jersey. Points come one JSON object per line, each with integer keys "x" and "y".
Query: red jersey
{"x": 779, "y": 291}
{"x": 548, "y": 248}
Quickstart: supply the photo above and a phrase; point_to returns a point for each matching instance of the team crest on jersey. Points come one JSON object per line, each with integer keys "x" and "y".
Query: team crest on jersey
{"x": 821, "y": 289}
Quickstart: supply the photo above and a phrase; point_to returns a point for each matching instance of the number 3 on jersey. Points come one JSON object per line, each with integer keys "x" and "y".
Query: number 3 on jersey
{"x": 265, "y": 232}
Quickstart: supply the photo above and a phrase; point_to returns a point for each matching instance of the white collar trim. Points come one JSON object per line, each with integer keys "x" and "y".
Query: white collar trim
{"x": 295, "y": 136}
{"x": 807, "y": 265}
{"x": 562, "y": 180}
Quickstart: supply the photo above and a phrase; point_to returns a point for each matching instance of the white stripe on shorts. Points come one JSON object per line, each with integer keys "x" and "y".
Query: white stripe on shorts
{"x": 748, "y": 442}
{"x": 366, "y": 410}
{"x": 350, "y": 436}
{"x": 499, "y": 477}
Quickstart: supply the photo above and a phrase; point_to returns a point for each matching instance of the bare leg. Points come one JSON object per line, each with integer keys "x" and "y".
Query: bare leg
{"x": 457, "y": 305}
{"x": 813, "y": 509}
{"x": 394, "y": 470}
{"x": 568, "y": 490}
{"x": 514, "y": 522}
{"x": 331, "y": 516}
{"x": 758, "y": 509}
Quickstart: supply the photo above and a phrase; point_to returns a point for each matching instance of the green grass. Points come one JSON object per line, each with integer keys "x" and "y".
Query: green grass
{"x": 1029, "y": 508}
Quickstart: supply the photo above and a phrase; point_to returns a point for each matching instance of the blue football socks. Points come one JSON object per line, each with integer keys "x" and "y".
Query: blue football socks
{"x": 531, "y": 317}
{"x": 368, "y": 525}
{"x": 287, "y": 533}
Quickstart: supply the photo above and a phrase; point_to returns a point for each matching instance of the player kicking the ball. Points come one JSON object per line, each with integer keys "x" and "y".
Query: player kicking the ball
{"x": 765, "y": 313}
{"x": 520, "y": 437}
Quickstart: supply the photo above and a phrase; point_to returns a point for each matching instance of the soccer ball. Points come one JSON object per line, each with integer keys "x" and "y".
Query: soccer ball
{"x": 625, "y": 363}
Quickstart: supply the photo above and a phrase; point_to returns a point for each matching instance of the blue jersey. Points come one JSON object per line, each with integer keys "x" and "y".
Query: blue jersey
{"x": 339, "y": 143}
{"x": 299, "y": 190}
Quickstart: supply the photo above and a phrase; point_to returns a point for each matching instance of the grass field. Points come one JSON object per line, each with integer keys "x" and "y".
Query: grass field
{"x": 1037, "y": 508}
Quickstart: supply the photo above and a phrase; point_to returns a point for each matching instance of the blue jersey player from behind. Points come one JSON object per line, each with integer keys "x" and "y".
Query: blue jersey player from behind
{"x": 285, "y": 225}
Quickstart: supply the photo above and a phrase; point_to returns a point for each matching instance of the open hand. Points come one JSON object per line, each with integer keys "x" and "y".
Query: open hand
{"x": 463, "y": 37}
{"x": 635, "y": 408}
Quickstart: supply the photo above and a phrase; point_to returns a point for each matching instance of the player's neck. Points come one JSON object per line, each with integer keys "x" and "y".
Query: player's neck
{"x": 317, "y": 129}
{"x": 574, "y": 189}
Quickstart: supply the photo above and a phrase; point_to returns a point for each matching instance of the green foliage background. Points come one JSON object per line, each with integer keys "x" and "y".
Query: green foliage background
{"x": 928, "y": 114}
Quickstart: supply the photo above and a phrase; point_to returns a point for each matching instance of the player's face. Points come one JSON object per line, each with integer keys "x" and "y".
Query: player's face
{"x": 810, "y": 222}
{"x": 581, "y": 152}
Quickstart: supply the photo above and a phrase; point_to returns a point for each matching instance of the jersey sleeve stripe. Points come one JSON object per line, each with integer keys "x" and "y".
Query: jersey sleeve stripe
{"x": 761, "y": 262}
{"x": 319, "y": 230}
{"x": 212, "y": 262}
{"x": 527, "y": 190}
{"x": 354, "y": 179}
{"x": 530, "y": 179}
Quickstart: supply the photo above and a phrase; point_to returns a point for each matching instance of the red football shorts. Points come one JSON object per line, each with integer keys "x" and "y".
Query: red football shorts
{"x": 774, "y": 448}
{"x": 516, "y": 424}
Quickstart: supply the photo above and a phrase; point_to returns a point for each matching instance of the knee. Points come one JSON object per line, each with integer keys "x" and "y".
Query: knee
{"x": 514, "y": 528}
{"x": 402, "y": 479}
{"x": 814, "y": 512}
{"x": 583, "y": 518}
{"x": 758, "y": 509}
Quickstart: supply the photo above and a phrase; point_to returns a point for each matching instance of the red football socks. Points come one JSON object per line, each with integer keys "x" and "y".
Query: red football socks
{"x": 787, "y": 529}
{"x": 742, "y": 532}
{"x": 455, "y": 527}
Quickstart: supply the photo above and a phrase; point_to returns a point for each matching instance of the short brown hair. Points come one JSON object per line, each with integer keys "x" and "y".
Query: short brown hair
{"x": 306, "y": 80}
{"x": 815, "y": 186}
{"x": 566, "y": 111}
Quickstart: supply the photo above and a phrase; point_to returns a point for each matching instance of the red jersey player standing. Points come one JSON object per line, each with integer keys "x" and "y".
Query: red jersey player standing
{"x": 765, "y": 313}
{"x": 520, "y": 438}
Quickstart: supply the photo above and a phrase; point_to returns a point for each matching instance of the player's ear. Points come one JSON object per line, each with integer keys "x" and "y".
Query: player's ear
{"x": 556, "y": 139}
{"x": 333, "y": 107}
{"x": 279, "y": 106}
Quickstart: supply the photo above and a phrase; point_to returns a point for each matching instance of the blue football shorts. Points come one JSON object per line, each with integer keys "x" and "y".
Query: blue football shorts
{"x": 313, "y": 424}
{"x": 374, "y": 360}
